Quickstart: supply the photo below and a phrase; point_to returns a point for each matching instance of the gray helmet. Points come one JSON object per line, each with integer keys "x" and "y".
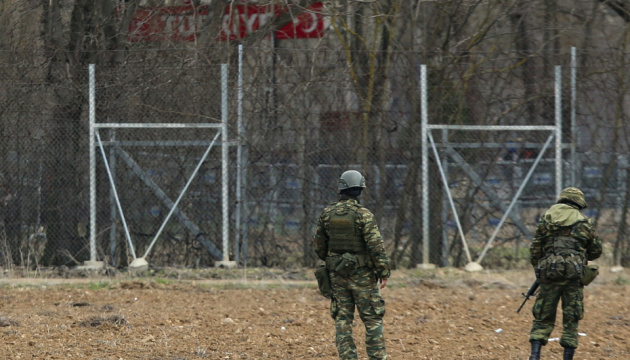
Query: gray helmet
{"x": 573, "y": 195}
{"x": 350, "y": 179}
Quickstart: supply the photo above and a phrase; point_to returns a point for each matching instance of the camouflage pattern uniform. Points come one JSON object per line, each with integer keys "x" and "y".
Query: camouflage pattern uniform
{"x": 360, "y": 289}
{"x": 562, "y": 219}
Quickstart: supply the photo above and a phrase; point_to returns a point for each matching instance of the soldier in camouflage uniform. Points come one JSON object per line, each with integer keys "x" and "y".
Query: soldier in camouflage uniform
{"x": 349, "y": 241}
{"x": 562, "y": 231}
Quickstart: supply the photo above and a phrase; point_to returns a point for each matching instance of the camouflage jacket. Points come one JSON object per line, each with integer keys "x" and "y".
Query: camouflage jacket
{"x": 567, "y": 218}
{"x": 369, "y": 230}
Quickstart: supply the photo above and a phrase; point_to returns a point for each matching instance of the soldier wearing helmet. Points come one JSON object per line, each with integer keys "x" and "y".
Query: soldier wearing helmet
{"x": 349, "y": 241}
{"x": 564, "y": 242}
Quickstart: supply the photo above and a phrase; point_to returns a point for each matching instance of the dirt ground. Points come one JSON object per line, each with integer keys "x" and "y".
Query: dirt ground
{"x": 436, "y": 314}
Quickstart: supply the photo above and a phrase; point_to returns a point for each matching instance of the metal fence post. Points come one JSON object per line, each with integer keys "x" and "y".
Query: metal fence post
{"x": 224, "y": 171}
{"x": 425, "y": 168}
{"x": 92, "y": 263}
{"x": 558, "y": 130}
{"x": 573, "y": 119}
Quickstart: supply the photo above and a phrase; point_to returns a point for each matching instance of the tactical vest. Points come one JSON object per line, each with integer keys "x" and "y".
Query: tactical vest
{"x": 343, "y": 232}
{"x": 565, "y": 259}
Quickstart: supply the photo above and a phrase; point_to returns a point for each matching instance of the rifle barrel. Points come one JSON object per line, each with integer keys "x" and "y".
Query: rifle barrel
{"x": 530, "y": 292}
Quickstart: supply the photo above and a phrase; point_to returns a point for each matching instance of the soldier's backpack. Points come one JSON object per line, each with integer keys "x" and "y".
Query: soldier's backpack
{"x": 344, "y": 235}
{"x": 565, "y": 261}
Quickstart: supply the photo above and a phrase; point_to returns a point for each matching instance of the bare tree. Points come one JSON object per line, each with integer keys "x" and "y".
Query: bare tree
{"x": 88, "y": 34}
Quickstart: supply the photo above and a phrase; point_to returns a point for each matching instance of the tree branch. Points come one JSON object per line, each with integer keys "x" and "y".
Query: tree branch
{"x": 620, "y": 7}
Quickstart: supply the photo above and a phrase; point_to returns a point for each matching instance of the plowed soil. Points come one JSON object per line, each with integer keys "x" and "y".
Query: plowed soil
{"x": 437, "y": 314}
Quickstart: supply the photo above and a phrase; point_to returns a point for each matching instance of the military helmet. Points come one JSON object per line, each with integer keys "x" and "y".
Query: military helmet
{"x": 350, "y": 179}
{"x": 574, "y": 195}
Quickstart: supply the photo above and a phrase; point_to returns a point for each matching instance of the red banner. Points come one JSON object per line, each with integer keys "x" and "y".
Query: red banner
{"x": 241, "y": 20}
{"x": 182, "y": 23}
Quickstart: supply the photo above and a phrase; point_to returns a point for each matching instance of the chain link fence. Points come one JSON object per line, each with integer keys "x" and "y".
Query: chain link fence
{"x": 307, "y": 116}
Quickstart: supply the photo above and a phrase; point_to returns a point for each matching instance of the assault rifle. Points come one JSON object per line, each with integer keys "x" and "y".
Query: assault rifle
{"x": 531, "y": 292}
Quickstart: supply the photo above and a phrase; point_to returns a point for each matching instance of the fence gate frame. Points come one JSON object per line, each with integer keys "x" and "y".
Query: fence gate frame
{"x": 94, "y": 137}
{"x": 427, "y": 142}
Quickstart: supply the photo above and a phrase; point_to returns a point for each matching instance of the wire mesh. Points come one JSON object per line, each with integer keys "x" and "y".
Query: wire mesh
{"x": 308, "y": 117}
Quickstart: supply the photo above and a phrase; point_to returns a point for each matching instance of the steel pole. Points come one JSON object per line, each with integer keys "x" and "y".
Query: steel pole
{"x": 92, "y": 121}
{"x": 558, "y": 130}
{"x": 425, "y": 165}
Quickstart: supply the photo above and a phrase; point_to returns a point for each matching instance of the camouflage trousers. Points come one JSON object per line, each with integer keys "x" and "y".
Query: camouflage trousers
{"x": 360, "y": 290}
{"x": 545, "y": 309}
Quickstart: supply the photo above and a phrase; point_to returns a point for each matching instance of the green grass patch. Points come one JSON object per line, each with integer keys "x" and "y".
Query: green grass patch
{"x": 505, "y": 258}
{"x": 99, "y": 285}
{"x": 163, "y": 281}
{"x": 245, "y": 285}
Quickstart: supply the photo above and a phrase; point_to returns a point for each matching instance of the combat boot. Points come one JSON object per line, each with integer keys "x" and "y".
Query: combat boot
{"x": 568, "y": 353}
{"x": 535, "y": 354}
